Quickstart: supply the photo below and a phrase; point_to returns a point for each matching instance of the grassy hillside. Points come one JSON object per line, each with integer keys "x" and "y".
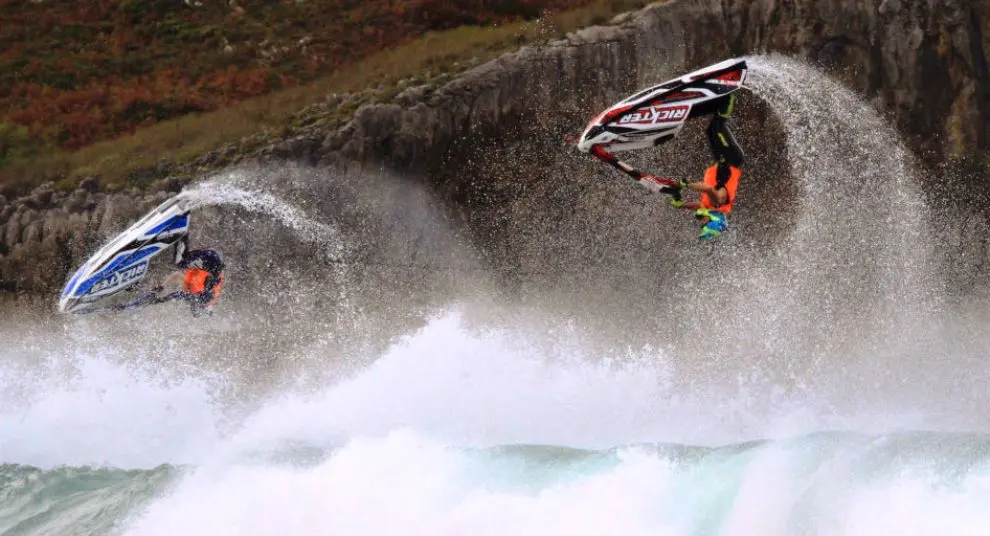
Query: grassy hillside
{"x": 106, "y": 87}
{"x": 76, "y": 72}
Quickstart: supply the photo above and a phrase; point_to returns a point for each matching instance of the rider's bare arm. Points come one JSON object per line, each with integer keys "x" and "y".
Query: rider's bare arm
{"x": 174, "y": 280}
{"x": 719, "y": 195}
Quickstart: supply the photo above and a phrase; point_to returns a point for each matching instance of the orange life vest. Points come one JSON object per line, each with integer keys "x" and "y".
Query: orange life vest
{"x": 195, "y": 283}
{"x": 711, "y": 176}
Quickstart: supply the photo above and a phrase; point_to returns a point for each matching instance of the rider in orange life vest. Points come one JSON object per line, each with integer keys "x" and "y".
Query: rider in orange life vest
{"x": 718, "y": 187}
{"x": 201, "y": 277}
{"x": 201, "y": 280}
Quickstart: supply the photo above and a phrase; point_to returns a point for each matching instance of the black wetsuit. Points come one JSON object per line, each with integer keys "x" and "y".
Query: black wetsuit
{"x": 726, "y": 151}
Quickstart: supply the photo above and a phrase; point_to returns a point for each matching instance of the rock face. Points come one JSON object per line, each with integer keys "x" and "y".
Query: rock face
{"x": 925, "y": 63}
{"x": 44, "y": 234}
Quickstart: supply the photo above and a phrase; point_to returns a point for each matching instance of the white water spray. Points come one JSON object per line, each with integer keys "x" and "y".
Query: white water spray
{"x": 860, "y": 196}
{"x": 224, "y": 190}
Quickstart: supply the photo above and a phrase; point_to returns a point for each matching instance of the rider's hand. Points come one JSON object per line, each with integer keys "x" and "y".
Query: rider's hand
{"x": 684, "y": 185}
{"x": 676, "y": 202}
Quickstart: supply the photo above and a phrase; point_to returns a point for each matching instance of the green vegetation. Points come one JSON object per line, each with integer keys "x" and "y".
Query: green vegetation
{"x": 257, "y": 101}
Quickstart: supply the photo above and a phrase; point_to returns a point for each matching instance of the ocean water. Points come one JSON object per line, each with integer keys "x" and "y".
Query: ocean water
{"x": 456, "y": 432}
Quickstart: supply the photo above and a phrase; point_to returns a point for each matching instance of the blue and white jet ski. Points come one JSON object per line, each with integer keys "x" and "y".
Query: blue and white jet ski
{"x": 124, "y": 261}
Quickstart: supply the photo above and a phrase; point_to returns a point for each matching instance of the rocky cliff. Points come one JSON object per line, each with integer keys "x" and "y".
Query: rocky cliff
{"x": 924, "y": 63}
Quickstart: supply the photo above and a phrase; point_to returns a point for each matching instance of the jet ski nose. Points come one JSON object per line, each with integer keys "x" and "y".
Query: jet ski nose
{"x": 591, "y": 137}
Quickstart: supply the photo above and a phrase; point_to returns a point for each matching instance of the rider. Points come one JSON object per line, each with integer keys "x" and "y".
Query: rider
{"x": 201, "y": 280}
{"x": 721, "y": 180}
